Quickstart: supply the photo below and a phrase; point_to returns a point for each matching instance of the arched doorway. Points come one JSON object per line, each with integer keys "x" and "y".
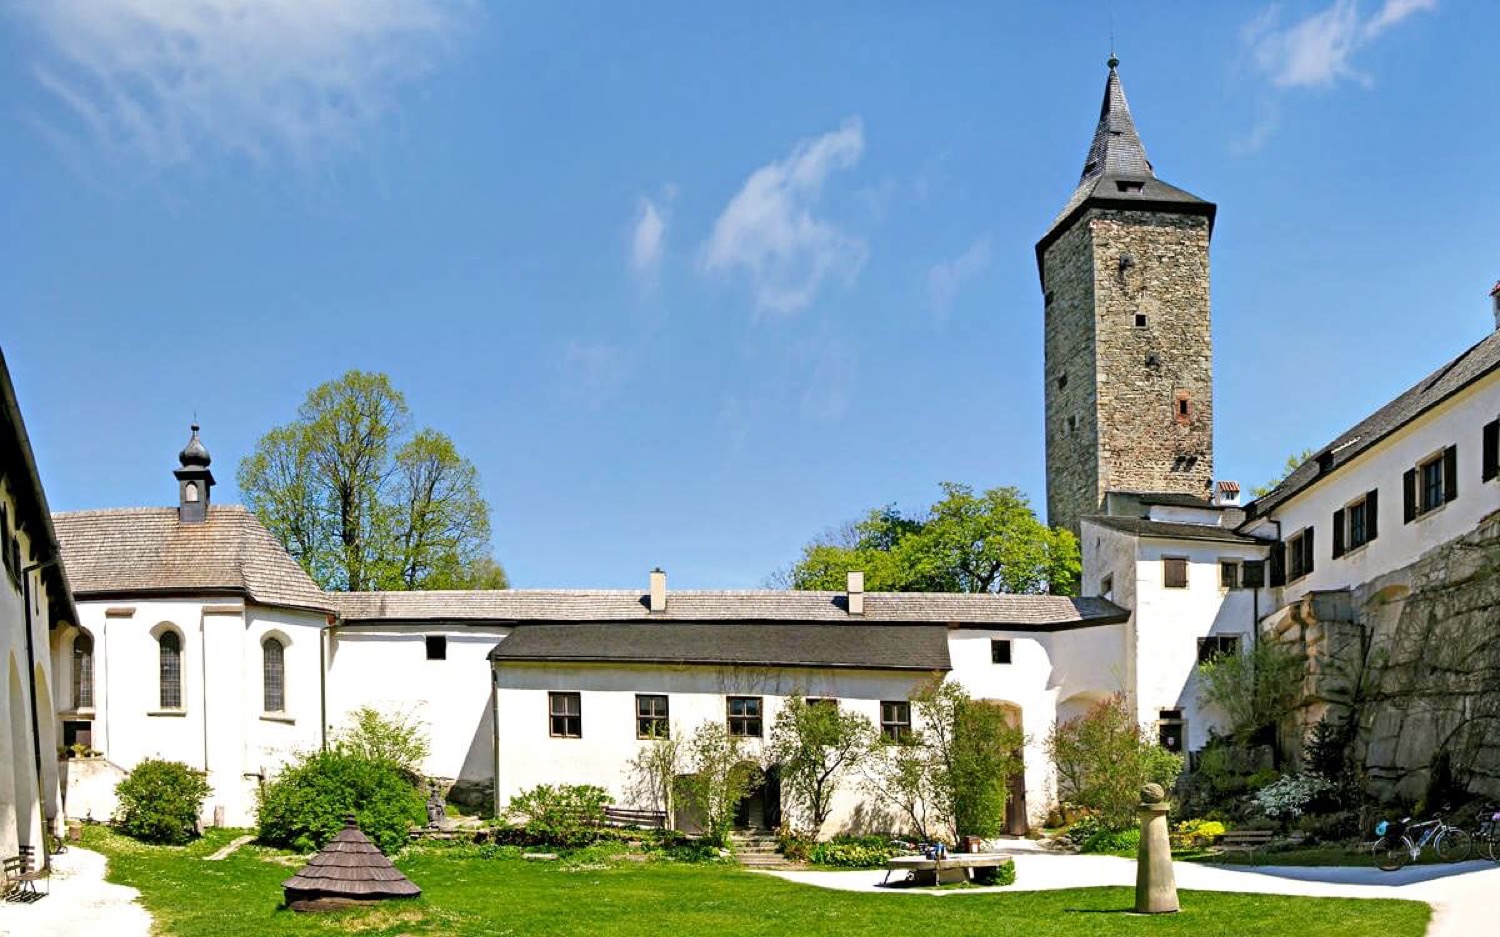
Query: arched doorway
{"x": 1016, "y": 822}
{"x": 760, "y": 809}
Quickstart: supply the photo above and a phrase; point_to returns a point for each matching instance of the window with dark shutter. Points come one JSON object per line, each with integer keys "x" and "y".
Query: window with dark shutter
{"x": 1338, "y": 533}
{"x": 1372, "y": 513}
{"x": 1278, "y": 565}
{"x": 1254, "y": 574}
{"x": 1174, "y": 572}
{"x": 1409, "y": 496}
{"x": 1307, "y": 545}
{"x": 1490, "y": 462}
{"x": 1450, "y": 473}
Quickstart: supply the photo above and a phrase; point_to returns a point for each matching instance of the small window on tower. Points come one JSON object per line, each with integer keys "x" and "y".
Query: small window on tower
{"x": 1073, "y": 424}
{"x": 437, "y": 647}
{"x": 1062, "y": 381}
{"x": 1140, "y": 320}
{"x": 1184, "y": 412}
{"x": 1130, "y": 185}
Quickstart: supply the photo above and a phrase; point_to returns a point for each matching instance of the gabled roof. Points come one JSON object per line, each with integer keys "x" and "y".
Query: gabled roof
{"x": 1029, "y": 612}
{"x": 1477, "y": 362}
{"x": 147, "y": 551}
{"x": 1117, "y": 174}
{"x": 763, "y": 644}
{"x": 1168, "y": 530}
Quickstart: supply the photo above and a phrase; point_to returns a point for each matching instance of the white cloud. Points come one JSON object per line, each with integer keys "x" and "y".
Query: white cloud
{"x": 945, "y": 278}
{"x": 1317, "y": 50}
{"x": 649, "y": 238}
{"x": 768, "y": 231}
{"x": 166, "y": 81}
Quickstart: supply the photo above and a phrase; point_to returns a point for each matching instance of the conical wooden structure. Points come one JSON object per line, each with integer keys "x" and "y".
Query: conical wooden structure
{"x": 348, "y": 871}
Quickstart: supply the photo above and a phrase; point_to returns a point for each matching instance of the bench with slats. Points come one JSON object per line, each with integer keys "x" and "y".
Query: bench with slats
{"x": 21, "y": 878}
{"x": 1246, "y": 841}
{"x": 641, "y": 819}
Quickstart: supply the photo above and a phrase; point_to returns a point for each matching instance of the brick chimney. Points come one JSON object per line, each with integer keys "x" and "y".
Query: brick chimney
{"x": 658, "y": 591}
{"x": 856, "y": 593}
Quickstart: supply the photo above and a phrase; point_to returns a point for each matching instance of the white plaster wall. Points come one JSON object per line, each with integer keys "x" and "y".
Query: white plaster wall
{"x": 387, "y": 667}
{"x": 1456, "y": 422}
{"x": 221, "y": 727}
{"x": 530, "y": 756}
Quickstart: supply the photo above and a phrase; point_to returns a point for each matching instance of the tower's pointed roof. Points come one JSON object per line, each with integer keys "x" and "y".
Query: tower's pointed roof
{"x": 1116, "y": 172}
{"x": 349, "y": 868}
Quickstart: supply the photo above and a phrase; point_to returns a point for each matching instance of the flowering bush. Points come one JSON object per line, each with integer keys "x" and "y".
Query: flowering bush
{"x": 1288, "y": 798}
{"x": 1195, "y": 834}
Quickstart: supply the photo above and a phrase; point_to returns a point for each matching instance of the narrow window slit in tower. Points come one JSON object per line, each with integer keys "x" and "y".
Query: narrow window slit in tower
{"x": 1140, "y": 320}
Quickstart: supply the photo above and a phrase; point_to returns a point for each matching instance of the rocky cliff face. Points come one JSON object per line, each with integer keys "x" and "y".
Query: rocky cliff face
{"x": 1415, "y": 655}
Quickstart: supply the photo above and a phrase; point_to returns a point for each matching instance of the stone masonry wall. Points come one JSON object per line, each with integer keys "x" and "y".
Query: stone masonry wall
{"x": 1117, "y": 424}
{"x": 1419, "y": 662}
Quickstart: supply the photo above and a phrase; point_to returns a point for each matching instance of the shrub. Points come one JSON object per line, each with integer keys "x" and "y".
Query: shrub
{"x": 561, "y": 815}
{"x": 160, "y": 801}
{"x": 1287, "y": 799}
{"x": 1196, "y": 834}
{"x": 306, "y": 804}
{"x": 1113, "y": 841}
{"x": 718, "y": 776}
{"x": 1104, "y": 757}
{"x": 853, "y": 852}
{"x": 396, "y": 738}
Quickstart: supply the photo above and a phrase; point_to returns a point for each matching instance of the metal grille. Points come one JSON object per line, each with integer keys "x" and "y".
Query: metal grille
{"x": 83, "y": 672}
{"x": 171, "y": 670}
{"x": 566, "y": 715}
{"x": 273, "y": 675}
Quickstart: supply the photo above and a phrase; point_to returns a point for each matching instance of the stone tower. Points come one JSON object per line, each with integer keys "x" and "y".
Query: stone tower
{"x": 1129, "y": 368}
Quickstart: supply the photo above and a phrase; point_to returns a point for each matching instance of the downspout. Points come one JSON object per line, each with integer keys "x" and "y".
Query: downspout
{"x": 325, "y": 635}
{"x": 36, "y": 722}
{"x": 203, "y": 680}
{"x": 495, "y": 735}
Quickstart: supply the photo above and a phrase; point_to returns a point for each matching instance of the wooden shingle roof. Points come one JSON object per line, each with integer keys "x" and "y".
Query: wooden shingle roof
{"x": 350, "y": 868}
{"x": 146, "y": 551}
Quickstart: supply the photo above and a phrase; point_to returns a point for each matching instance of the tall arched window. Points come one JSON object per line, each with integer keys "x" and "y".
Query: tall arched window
{"x": 171, "y": 669}
{"x": 83, "y": 672}
{"x": 273, "y": 674}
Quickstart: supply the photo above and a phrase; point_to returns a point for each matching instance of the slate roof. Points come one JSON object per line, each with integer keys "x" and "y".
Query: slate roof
{"x": 1031, "y": 612}
{"x": 1480, "y": 360}
{"x": 777, "y": 644}
{"x": 1167, "y": 530}
{"x": 350, "y": 867}
{"x": 146, "y": 551}
{"x": 1116, "y": 172}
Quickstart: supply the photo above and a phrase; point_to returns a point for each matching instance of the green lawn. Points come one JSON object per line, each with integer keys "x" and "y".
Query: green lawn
{"x": 471, "y": 896}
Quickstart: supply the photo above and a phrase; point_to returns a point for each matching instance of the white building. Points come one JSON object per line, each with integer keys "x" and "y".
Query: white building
{"x": 35, "y": 609}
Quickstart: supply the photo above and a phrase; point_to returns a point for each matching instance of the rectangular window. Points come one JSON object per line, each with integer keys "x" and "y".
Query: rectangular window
{"x": 895, "y": 719}
{"x": 437, "y": 647}
{"x": 564, "y": 716}
{"x": 1299, "y": 554}
{"x": 651, "y": 720}
{"x": 1431, "y": 477}
{"x": 1253, "y": 574}
{"x": 1489, "y": 462}
{"x": 1356, "y": 523}
{"x": 742, "y": 714}
{"x": 1107, "y": 586}
{"x": 1217, "y": 646}
{"x": 821, "y": 701}
{"x": 1171, "y": 730}
{"x": 1000, "y": 650}
{"x": 1174, "y": 572}
{"x": 1229, "y": 574}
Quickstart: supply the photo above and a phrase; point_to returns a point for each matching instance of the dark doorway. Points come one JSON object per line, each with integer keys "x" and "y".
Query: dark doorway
{"x": 761, "y": 808}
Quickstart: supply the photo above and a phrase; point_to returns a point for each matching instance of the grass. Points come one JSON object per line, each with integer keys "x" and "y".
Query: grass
{"x": 462, "y": 895}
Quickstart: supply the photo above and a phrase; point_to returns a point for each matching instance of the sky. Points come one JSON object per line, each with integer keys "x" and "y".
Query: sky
{"x": 691, "y": 283}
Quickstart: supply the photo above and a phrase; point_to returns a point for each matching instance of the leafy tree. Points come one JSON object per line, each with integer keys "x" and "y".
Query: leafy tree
{"x": 1292, "y": 462}
{"x": 816, "y": 743}
{"x": 396, "y": 739}
{"x": 1255, "y": 689}
{"x": 651, "y": 776}
{"x": 966, "y": 542}
{"x": 719, "y": 774}
{"x": 364, "y": 503}
{"x": 160, "y": 801}
{"x": 1103, "y": 757}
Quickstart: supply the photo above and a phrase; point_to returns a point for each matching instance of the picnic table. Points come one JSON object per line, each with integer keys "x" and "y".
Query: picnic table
{"x": 955, "y": 867}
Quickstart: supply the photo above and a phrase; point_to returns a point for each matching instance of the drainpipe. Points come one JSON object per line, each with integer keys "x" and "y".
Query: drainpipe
{"x": 36, "y": 721}
{"x": 325, "y": 635}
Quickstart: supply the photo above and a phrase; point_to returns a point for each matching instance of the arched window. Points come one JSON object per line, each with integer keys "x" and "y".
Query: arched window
{"x": 171, "y": 669}
{"x": 273, "y": 674}
{"x": 83, "y": 672}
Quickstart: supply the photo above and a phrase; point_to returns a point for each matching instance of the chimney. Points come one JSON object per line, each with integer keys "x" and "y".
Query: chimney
{"x": 1495, "y": 301}
{"x": 1227, "y": 494}
{"x": 658, "y": 590}
{"x": 856, "y": 589}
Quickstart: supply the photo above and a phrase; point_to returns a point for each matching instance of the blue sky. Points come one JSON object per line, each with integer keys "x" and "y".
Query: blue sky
{"x": 690, "y": 283}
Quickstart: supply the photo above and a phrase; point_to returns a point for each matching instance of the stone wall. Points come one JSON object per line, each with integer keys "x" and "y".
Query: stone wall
{"x": 1136, "y": 410}
{"x": 1415, "y": 654}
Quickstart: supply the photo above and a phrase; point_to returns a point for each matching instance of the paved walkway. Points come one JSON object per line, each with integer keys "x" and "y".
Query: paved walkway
{"x": 80, "y": 904}
{"x": 1462, "y": 895}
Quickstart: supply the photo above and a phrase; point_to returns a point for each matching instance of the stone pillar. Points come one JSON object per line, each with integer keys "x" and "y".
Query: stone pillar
{"x": 1155, "y": 884}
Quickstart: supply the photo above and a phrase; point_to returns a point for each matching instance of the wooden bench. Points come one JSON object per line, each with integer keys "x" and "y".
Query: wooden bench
{"x": 21, "y": 878}
{"x": 955, "y": 867}
{"x": 640, "y": 819}
{"x": 1246, "y": 841}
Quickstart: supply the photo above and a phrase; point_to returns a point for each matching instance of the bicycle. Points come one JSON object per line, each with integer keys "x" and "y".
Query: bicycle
{"x": 1489, "y": 832}
{"x": 1395, "y": 847}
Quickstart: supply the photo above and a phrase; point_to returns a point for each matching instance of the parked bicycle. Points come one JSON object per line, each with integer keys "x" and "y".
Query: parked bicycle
{"x": 1488, "y": 837}
{"x": 1403, "y": 841}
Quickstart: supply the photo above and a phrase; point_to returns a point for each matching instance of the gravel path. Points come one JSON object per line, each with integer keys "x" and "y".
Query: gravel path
{"x": 1462, "y": 895}
{"x": 80, "y": 903}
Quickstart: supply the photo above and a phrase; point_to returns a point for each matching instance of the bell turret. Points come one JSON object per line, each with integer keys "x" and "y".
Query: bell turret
{"x": 193, "y": 481}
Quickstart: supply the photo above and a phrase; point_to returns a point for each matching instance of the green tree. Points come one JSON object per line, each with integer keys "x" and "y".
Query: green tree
{"x": 816, "y": 743}
{"x": 1257, "y": 688}
{"x": 364, "y": 503}
{"x": 719, "y": 774}
{"x": 1292, "y": 462}
{"x": 304, "y": 805}
{"x": 990, "y": 541}
{"x": 1103, "y": 757}
{"x": 397, "y": 739}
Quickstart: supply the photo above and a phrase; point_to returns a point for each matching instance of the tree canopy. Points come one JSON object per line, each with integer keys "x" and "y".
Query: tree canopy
{"x": 1293, "y": 461}
{"x": 966, "y": 542}
{"x": 364, "y": 502}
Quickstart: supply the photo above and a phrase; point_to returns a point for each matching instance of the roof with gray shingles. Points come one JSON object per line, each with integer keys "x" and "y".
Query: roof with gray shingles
{"x": 1035, "y": 612}
{"x": 764, "y": 644}
{"x": 146, "y": 551}
{"x": 1479, "y": 360}
{"x": 1167, "y": 530}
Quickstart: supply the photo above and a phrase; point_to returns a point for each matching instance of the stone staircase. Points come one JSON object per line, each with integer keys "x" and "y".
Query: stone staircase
{"x": 756, "y": 849}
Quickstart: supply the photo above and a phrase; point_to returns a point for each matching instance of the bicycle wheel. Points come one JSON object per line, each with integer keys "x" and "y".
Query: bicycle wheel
{"x": 1492, "y": 846}
{"x": 1392, "y": 852}
{"x": 1454, "y": 845}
